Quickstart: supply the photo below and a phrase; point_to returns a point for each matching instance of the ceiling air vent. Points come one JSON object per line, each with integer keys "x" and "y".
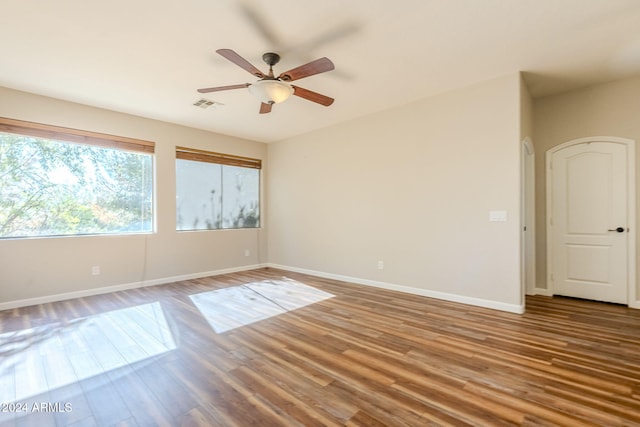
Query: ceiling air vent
{"x": 207, "y": 103}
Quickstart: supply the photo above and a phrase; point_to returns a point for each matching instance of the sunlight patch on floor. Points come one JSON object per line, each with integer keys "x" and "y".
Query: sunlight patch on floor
{"x": 36, "y": 360}
{"x": 229, "y": 308}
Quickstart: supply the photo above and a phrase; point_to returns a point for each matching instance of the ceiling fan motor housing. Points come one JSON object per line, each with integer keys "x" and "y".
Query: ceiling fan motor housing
{"x": 271, "y": 58}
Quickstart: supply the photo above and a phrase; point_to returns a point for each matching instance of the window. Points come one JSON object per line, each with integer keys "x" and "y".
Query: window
{"x": 216, "y": 191}
{"x": 58, "y": 182}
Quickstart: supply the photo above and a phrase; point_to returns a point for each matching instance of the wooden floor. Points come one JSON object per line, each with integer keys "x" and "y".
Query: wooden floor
{"x": 363, "y": 357}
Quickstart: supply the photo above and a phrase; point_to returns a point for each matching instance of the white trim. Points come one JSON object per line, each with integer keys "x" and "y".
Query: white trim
{"x": 542, "y": 291}
{"x": 632, "y": 297}
{"x": 122, "y": 287}
{"x": 634, "y": 302}
{"x": 528, "y": 146}
{"x": 496, "y": 305}
{"x": 527, "y": 219}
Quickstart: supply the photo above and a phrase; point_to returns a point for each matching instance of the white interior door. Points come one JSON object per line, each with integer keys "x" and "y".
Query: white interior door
{"x": 588, "y": 221}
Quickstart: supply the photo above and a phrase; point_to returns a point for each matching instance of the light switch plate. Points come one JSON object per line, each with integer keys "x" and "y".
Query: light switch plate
{"x": 497, "y": 216}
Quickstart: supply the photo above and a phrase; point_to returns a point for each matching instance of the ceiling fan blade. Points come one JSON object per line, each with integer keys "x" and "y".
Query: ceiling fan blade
{"x": 251, "y": 12}
{"x": 265, "y": 108}
{"x": 312, "y": 96}
{"x": 309, "y": 69}
{"x": 219, "y": 88}
{"x": 340, "y": 31}
{"x": 240, "y": 62}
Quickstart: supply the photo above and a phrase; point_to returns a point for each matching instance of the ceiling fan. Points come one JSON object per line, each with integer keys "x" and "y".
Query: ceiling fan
{"x": 271, "y": 89}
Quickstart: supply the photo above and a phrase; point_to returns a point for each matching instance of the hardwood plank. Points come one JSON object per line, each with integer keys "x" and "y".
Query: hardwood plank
{"x": 30, "y": 375}
{"x": 139, "y": 399}
{"x": 169, "y": 391}
{"x": 442, "y": 404}
{"x": 364, "y": 357}
{"x": 296, "y": 412}
{"x": 85, "y": 422}
{"x": 107, "y": 405}
{"x": 72, "y": 395}
{"x": 197, "y": 417}
{"x": 363, "y": 419}
{"x": 530, "y": 408}
{"x": 385, "y": 404}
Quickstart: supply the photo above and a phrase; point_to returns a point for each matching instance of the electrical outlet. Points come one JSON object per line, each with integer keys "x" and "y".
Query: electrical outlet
{"x": 247, "y": 252}
{"x": 95, "y": 270}
{"x": 380, "y": 265}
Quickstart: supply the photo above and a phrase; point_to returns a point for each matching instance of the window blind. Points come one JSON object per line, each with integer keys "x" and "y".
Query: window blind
{"x": 58, "y": 133}
{"x": 185, "y": 153}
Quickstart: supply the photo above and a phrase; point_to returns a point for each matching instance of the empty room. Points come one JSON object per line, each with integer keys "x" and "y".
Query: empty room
{"x": 340, "y": 213}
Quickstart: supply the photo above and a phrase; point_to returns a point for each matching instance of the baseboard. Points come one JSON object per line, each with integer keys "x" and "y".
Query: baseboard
{"x": 122, "y": 287}
{"x": 542, "y": 291}
{"x": 479, "y": 302}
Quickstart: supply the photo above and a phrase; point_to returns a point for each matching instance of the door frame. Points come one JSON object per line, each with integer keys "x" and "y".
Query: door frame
{"x": 527, "y": 219}
{"x": 631, "y": 209}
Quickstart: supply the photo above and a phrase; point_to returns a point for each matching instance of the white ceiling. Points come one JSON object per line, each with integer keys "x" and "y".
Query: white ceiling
{"x": 148, "y": 57}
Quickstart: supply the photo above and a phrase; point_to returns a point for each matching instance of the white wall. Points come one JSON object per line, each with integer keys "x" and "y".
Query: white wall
{"x": 413, "y": 187}
{"x": 41, "y": 268}
{"x": 611, "y": 109}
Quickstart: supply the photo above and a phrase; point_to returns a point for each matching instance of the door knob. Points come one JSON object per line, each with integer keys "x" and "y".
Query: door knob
{"x": 619, "y": 230}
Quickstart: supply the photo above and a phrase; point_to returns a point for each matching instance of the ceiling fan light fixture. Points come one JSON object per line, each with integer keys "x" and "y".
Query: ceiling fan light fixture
{"x": 271, "y": 91}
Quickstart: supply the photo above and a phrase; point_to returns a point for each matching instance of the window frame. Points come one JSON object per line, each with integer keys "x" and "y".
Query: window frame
{"x": 198, "y": 155}
{"x": 83, "y": 137}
